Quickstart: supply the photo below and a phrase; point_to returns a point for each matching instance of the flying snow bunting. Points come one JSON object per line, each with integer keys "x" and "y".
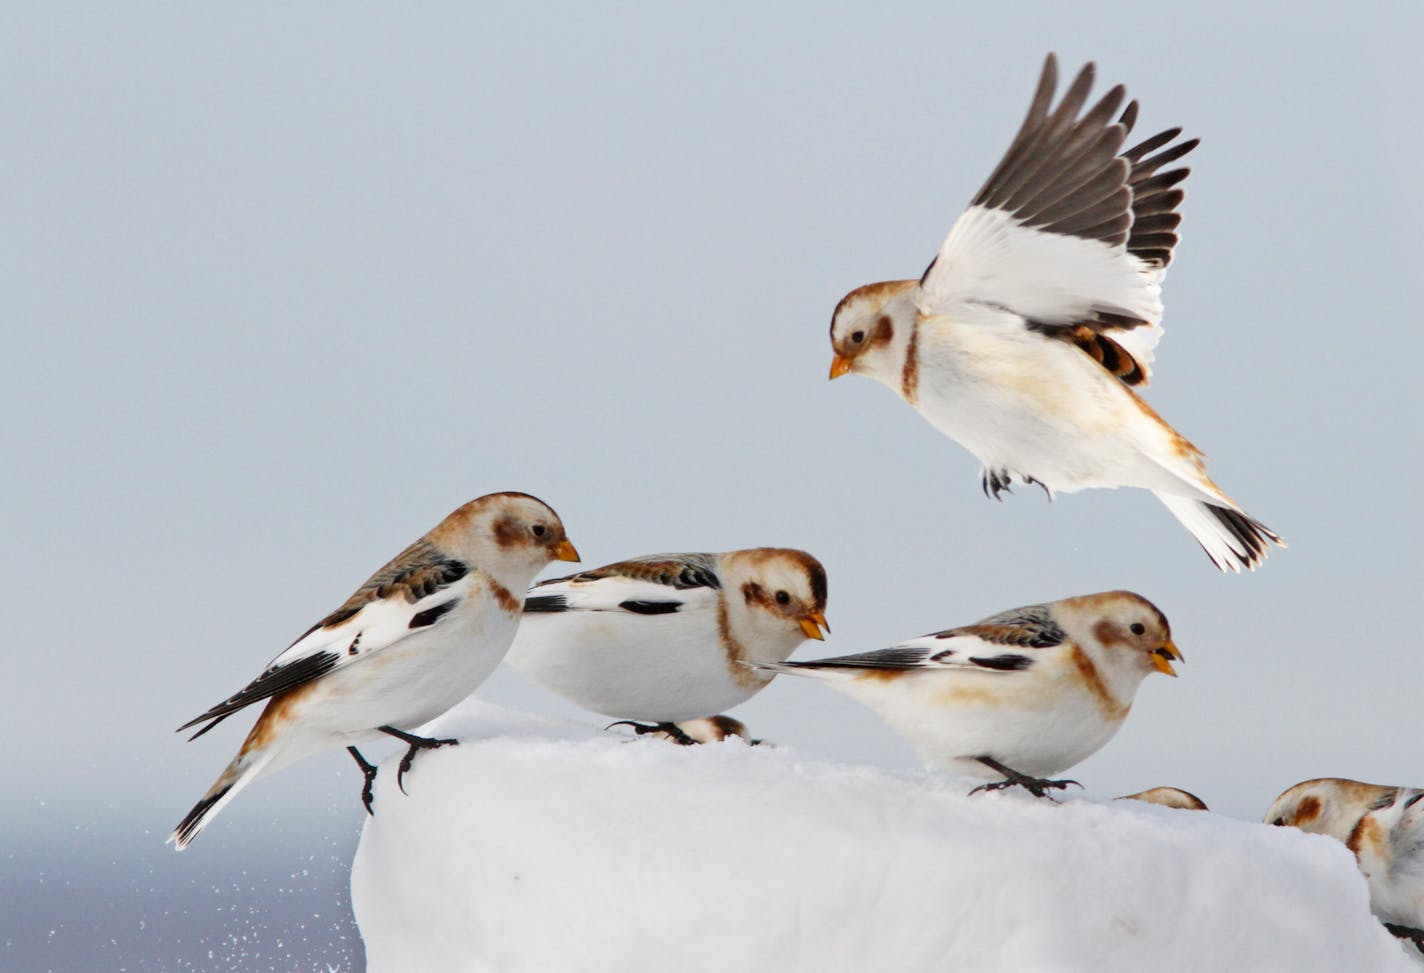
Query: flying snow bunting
{"x": 1383, "y": 826}
{"x": 419, "y": 636}
{"x": 1168, "y": 797}
{"x": 1016, "y": 697}
{"x": 662, "y": 638}
{"x": 1025, "y": 337}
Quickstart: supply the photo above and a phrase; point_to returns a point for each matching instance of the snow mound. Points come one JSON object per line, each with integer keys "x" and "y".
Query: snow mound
{"x": 546, "y": 845}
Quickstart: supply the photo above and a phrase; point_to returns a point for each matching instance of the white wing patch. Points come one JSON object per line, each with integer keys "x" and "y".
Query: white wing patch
{"x": 991, "y": 258}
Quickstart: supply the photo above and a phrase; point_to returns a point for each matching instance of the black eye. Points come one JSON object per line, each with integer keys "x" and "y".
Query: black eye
{"x": 782, "y": 598}
{"x": 857, "y": 336}
{"x": 538, "y": 530}
{"x": 1138, "y": 628}
{"x": 1279, "y": 822}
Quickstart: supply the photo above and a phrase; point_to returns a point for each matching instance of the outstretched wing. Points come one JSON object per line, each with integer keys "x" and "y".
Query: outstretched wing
{"x": 1071, "y": 232}
{"x": 414, "y": 592}
{"x": 657, "y": 584}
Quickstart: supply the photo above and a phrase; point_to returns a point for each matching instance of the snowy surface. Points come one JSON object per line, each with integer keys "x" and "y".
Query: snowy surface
{"x": 546, "y": 845}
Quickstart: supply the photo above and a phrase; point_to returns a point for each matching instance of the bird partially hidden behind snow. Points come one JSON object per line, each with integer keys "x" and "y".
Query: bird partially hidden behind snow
{"x": 1173, "y": 797}
{"x": 1027, "y": 335}
{"x": 1383, "y": 826}
{"x": 662, "y": 638}
{"x": 419, "y": 636}
{"x": 1017, "y": 697}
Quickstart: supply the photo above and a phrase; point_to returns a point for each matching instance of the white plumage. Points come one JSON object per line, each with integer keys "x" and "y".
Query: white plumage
{"x": 1025, "y": 338}
{"x": 1383, "y": 826}
{"x": 662, "y": 638}
{"x": 419, "y": 636}
{"x": 1033, "y": 690}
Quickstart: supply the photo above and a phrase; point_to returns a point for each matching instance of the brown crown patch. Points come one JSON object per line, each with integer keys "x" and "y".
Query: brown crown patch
{"x": 876, "y": 294}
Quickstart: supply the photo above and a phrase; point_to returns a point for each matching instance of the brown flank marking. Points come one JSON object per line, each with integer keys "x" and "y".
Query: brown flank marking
{"x": 1367, "y": 829}
{"x": 910, "y": 375}
{"x": 508, "y": 602}
{"x": 744, "y": 676}
{"x": 275, "y": 717}
{"x": 1107, "y": 702}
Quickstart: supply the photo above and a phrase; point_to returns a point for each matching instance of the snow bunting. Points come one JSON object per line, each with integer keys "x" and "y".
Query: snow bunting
{"x": 419, "y": 636}
{"x": 1168, "y": 797}
{"x": 1018, "y": 696}
{"x": 1025, "y": 337}
{"x": 662, "y": 638}
{"x": 1383, "y": 826}
{"x": 708, "y": 729}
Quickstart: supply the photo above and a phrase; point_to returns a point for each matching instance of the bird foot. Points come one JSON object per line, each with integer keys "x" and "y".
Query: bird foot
{"x": 671, "y": 730}
{"x": 416, "y": 744}
{"x": 1037, "y": 786}
{"x": 1415, "y": 936}
{"x": 369, "y": 770}
{"x": 995, "y": 482}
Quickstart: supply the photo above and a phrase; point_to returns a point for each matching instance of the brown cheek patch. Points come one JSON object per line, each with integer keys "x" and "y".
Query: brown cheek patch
{"x": 1107, "y": 702}
{"x": 508, "y": 532}
{"x": 1108, "y": 634}
{"x": 884, "y": 332}
{"x": 1309, "y": 810}
{"x": 753, "y": 594}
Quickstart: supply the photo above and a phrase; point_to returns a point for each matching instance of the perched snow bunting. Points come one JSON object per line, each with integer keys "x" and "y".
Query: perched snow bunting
{"x": 1020, "y": 695}
{"x": 1383, "y": 826}
{"x": 419, "y": 636}
{"x": 1025, "y": 337}
{"x": 708, "y": 729}
{"x": 662, "y": 638}
{"x": 1168, "y": 797}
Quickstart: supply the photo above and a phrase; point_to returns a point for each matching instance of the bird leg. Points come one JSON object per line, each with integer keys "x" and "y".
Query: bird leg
{"x": 671, "y": 729}
{"x": 1036, "y": 786}
{"x": 416, "y": 743}
{"x": 369, "y": 769}
{"x": 1415, "y": 936}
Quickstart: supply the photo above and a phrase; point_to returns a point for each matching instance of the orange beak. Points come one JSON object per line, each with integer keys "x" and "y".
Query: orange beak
{"x": 839, "y": 366}
{"x": 812, "y": 625}
{"x": 565, "y": 551}
{"x": 1162, "y": 658}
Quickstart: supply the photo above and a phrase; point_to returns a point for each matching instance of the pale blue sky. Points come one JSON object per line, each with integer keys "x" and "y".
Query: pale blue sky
{"x": 283, "y": 285}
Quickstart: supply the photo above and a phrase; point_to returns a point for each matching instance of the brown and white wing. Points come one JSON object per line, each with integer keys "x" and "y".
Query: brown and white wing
{"x": 1071, "y": 232}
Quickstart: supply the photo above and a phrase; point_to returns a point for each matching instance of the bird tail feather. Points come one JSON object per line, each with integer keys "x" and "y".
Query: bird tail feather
{"x": 1230, "y": 538}
{"x": 245, "y": 768}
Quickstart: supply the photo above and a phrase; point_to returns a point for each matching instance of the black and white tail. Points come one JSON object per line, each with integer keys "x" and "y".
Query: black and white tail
{"x": 1230, "y": 538}
{"x": 242, "y": 771}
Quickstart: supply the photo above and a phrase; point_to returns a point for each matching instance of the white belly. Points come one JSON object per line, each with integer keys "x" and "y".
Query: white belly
{"x": 413, "y": 681}
{"x": 1039, "y": 727}
{"x": 660, "y": 668}
{"x": 1033, "y": 406}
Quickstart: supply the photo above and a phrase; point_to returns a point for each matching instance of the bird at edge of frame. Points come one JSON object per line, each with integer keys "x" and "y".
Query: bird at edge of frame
{"x": 418, "y": 637}
{"x": 1027, "y": 337}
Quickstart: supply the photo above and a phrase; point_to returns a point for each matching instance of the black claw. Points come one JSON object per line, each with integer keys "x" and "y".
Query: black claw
{"x": 368, "y": 769}
{"x": 1037, "y": 786}
{"x": 1415, "y": 936}
{"x": 671, "y": 729}
{"x": 416, "y": 744}
{"x": 1046, "y": 492}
